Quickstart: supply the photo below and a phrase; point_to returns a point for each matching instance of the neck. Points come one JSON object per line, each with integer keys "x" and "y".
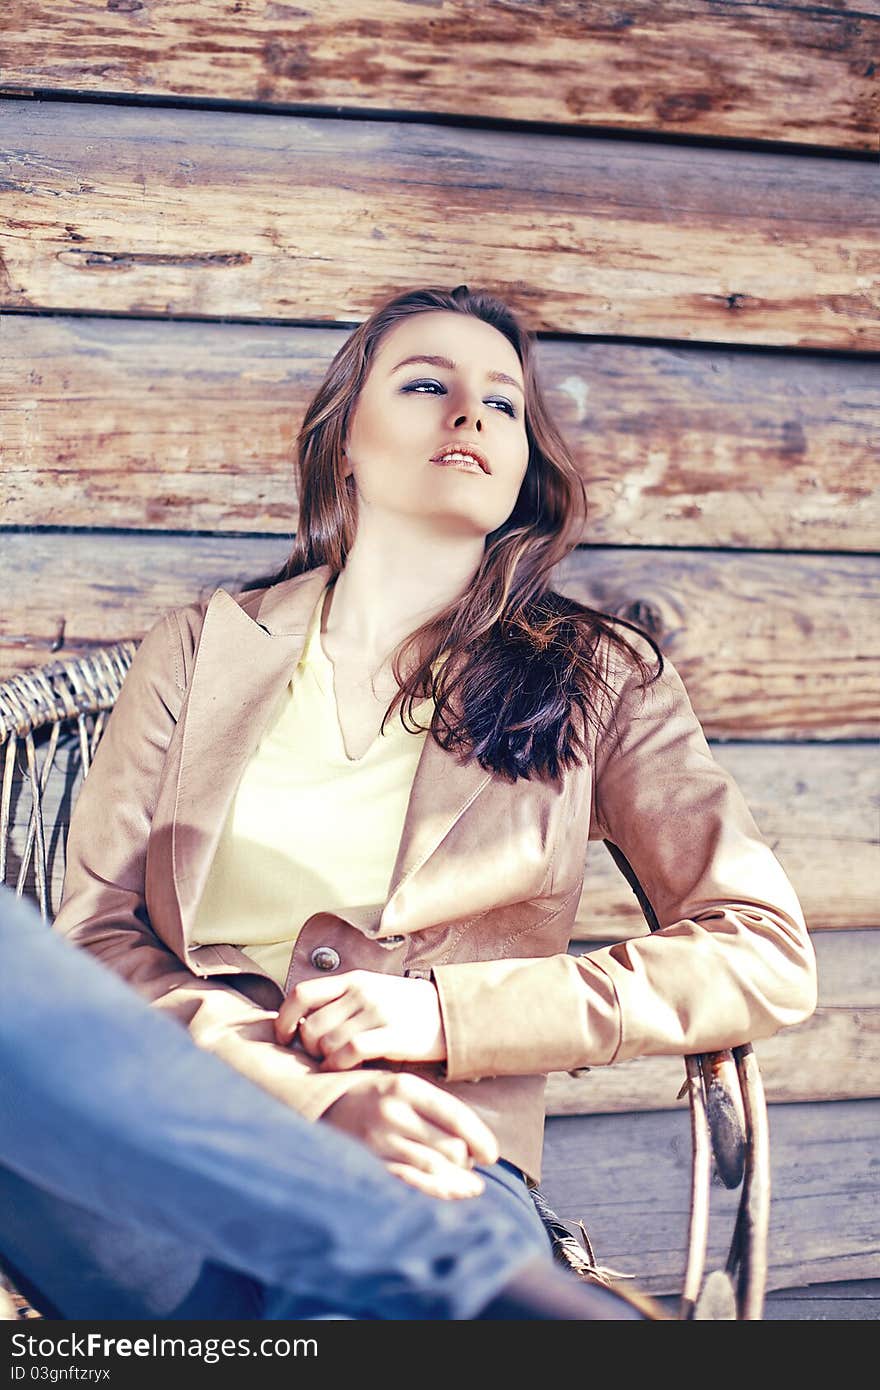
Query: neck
{"x": 391, "y": 585}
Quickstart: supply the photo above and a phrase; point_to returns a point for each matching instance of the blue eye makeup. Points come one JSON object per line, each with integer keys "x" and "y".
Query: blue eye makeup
{"x": 417, "y": 388}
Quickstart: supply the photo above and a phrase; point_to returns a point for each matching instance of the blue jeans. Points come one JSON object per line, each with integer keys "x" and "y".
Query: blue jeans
{"x": 141, "y": 1177}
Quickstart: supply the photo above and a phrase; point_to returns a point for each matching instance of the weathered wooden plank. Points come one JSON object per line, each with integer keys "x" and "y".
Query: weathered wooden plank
{"x": 87, "y": 590}
{"x": 213, "y": 213}
{"x": 816, "y": 805}
{"x": 746, "y": 71}
{"x": 835, "y": 1055}
{"x": 772, "y": 646}
{"x": 865, "y": 1289}
{"x": 182, "y": 426}
{"x": 848, "y": 974}
{"x": 810, "y": 1308}
{"x": 850, "y": 1300}
{"x": 766, "y": 644}
{"x": 627, "y": 1177}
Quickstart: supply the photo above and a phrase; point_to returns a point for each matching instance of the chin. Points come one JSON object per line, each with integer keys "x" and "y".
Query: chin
{"x": 458, "y": 523}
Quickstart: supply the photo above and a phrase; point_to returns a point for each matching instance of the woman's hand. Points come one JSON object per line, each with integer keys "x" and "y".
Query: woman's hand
{"x": 423, "y": 1135}
{"x": 362, "y": 1015}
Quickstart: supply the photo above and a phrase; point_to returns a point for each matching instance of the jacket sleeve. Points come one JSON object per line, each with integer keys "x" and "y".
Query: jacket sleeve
{"x": 732, "y": 961}
{"x": 103, "y": 906}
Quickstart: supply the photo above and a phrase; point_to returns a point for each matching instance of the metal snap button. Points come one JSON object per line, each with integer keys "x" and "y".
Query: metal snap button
{"x": 325, "y": 958}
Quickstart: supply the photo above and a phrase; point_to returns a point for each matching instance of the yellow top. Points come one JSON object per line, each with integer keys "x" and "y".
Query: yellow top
{"x": 309, "y": 829}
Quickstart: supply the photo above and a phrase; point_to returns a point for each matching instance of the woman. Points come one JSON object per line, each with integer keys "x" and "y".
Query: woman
{"x": 350, "y": 808}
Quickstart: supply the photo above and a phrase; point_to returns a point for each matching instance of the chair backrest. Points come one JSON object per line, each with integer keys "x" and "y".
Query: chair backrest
{"x": 65, "y": 704}
{"x": 61, "y": 706}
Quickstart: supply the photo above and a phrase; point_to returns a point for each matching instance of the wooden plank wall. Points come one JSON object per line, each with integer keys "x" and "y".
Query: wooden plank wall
{"x": 682, "y": 198}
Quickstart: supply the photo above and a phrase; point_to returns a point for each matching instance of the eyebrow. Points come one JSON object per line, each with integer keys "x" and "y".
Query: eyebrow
{"x": 447, "y": 362}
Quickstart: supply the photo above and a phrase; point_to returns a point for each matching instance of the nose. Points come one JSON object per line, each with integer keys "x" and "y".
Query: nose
{"x": 464, "y": 411}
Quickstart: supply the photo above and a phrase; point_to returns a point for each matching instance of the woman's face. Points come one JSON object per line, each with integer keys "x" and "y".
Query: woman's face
{"x": 470, "y": 395}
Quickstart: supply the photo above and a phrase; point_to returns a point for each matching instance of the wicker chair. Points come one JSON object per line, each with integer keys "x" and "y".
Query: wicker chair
{"x": 59, "y": 711}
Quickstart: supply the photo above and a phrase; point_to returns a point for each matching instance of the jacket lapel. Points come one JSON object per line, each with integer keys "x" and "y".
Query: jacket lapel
{"x": 453, "y": 866}
{"x": 443, "y": 789}
{"x": 240, "y": 674}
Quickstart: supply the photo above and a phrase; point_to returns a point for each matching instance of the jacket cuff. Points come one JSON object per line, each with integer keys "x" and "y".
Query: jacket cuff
{"x": 526, "y": 1017}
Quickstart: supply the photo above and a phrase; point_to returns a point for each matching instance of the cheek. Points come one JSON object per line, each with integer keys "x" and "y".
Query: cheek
{"x": 520, "y": 463}
{"x": 378, "y": 433}
{"x": 363, "y": 433}
{"x": 380, "y": 457}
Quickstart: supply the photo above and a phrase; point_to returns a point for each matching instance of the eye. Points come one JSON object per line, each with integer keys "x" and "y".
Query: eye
{"x": 437, "y": 386}
{"x": 420, "y": 385}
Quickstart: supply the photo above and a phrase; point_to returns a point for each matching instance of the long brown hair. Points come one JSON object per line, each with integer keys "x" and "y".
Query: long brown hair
{"x": 521, "y": 678}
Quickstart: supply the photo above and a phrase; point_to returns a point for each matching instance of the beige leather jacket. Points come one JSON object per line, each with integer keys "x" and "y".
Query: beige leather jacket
{"x": 484, "y": 891}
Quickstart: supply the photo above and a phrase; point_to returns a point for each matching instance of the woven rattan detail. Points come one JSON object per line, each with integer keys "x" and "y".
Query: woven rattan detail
{"x": 73, "y": 695}
{"x": 63, "y": 689}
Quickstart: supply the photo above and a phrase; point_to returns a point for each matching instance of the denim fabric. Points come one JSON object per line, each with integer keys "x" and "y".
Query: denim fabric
{"x": 505, "y": 1194}
{"x": 142, "y": 1177}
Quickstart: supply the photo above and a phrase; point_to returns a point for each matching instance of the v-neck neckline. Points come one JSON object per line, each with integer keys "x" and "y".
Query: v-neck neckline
{"x": 329, "y": 670}
{"x": 326, "y": 676}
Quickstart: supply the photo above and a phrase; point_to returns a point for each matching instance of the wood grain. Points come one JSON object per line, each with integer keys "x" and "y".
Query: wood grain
{"x": 833, "y": 1056}
{"x": 627, "y": 1177}
{"x": 783, "y": 72}
{"x": 856, "y": 1300}
{"x": 71, "y": 592}
{"x": 770, "y": 646}
{"x": 765, "y": 643}
{"x": 183, "y": 426}
{"x": 211, "y": 214}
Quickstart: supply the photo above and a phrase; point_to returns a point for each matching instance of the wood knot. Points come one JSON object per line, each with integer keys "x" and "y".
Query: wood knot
{"x": 644, "y": 614}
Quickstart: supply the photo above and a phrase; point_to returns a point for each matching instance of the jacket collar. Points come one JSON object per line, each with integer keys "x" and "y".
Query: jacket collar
{"x": 248, "y": 651}
{"x": 286, "y": 609}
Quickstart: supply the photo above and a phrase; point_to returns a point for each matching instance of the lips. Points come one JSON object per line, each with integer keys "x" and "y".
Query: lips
{"x": 452, "y": 453}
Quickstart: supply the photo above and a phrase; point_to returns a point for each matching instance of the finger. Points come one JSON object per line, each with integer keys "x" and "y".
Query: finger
{"x": 452, "y": 1114}
{"x": 411, "y": 1125}
{"x": 361, "y": 1039}
{"x": 381, "y": 1040}
{"x": 317, "y": 1030}
{"x": 447, "y": 1186}
{"x": 304, "y": 999}
{"x": 397, "y": 1148}
{"x": 350, "y": 1046}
